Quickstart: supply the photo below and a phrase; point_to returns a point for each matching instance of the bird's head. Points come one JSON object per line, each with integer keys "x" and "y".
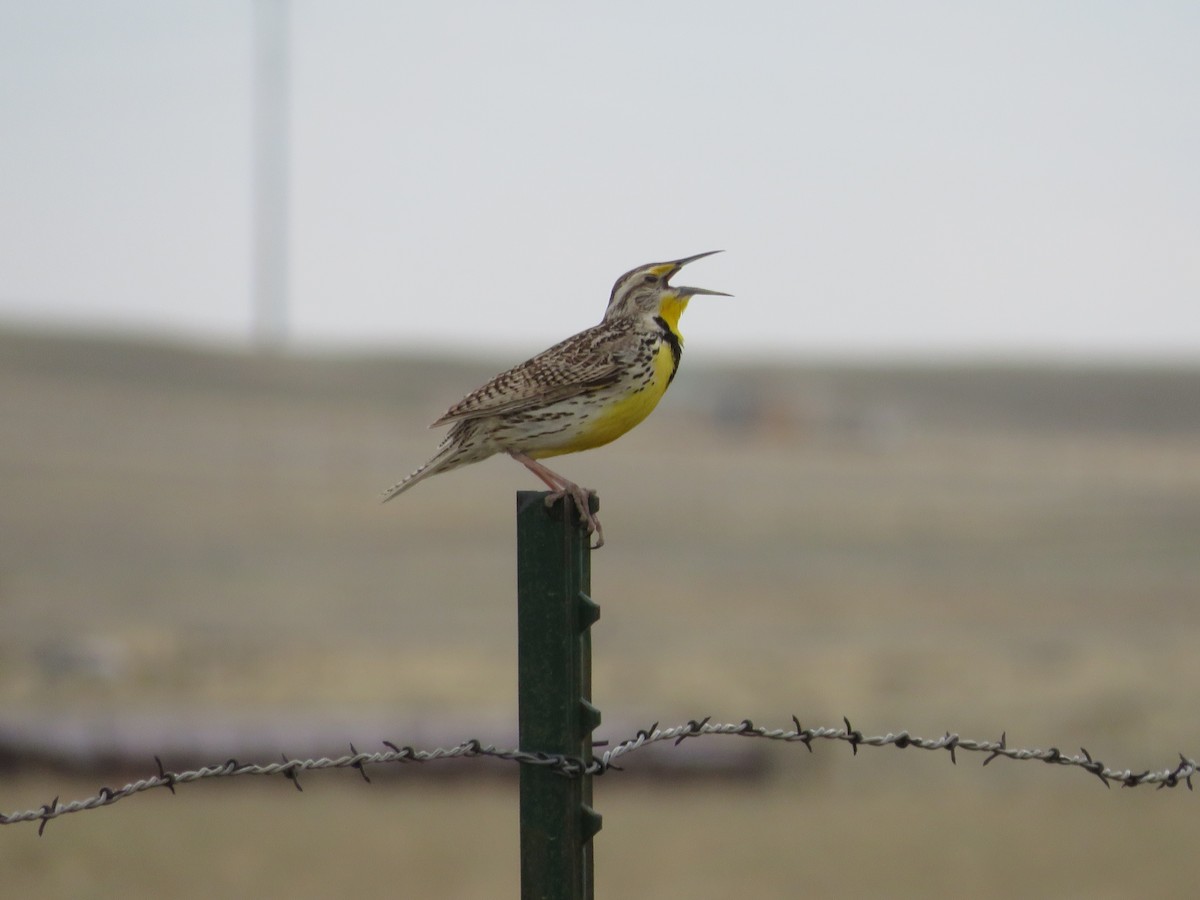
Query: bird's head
{"x": 647, "y": 291}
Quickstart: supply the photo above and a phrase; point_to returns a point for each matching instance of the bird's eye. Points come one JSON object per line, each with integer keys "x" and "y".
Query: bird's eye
{"x": 651, "y": 279}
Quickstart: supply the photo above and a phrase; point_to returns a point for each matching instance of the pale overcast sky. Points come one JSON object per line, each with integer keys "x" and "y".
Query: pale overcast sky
{"x": 885, "y": 177}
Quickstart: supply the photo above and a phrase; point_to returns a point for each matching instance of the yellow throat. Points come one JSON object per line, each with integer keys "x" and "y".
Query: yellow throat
{"x": 625, "y": 412}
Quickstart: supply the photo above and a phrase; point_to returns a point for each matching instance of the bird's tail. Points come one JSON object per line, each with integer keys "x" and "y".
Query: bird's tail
{"x": 442, "y": 460}
{"x": 459, "y": 448}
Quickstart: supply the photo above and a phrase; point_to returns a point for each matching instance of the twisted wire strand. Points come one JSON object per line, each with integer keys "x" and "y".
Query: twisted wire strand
{"x": 574, "y": 767}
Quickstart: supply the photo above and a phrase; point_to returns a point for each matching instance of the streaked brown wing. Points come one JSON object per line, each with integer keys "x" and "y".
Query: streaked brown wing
{"x": 582, "y": 362}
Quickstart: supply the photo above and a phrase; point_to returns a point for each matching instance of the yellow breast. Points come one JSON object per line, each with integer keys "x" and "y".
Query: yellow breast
{"x": 621, "y": 412}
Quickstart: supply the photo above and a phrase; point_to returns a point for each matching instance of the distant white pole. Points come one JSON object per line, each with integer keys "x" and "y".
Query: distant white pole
{"x": 271, "y": 100}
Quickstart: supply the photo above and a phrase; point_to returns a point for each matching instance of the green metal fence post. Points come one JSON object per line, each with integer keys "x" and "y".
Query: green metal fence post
{"x": 554, "y": 666}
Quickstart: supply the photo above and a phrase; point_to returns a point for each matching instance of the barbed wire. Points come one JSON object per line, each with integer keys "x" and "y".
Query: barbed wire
{"x": 575, "y": 767}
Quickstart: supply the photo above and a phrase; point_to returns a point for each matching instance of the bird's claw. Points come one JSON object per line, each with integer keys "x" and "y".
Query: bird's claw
{"x": 581, "y": 497}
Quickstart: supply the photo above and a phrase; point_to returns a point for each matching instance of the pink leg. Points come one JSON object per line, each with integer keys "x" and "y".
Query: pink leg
{"x": 561, "y": 487}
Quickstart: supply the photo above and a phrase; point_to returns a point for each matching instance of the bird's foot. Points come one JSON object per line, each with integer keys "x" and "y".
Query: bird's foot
{"x": 561, "y": 487}
{"x": 582, "y": 498}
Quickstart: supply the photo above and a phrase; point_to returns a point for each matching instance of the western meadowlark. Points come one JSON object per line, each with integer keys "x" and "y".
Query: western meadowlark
{"x": 581, "y": 393}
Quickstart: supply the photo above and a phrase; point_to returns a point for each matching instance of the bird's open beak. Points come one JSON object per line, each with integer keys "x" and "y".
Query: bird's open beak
{"x": 693, "y": 291}
{"x": 680, "y": 263}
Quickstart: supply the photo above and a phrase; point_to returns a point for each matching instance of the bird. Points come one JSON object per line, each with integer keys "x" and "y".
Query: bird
{"x": 579, "y": 394}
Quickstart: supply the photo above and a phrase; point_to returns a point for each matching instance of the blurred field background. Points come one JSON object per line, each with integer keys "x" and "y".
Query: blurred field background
{"x": 190, "y": 544}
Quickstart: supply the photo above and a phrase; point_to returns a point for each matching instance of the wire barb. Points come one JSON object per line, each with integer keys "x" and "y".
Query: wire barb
{"x": 854, "y": 737}
{"x": 167, "y": 778}
{"x": 49, "y": 811}
{"x": 358, "y": 763}
{"x": 289, "y": 771}
{"x": 999, "y": 751}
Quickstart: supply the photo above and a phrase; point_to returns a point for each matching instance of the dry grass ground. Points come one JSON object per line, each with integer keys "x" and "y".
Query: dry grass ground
{"x": 1029, "y": 833}
{"x": 193, "y": 534}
